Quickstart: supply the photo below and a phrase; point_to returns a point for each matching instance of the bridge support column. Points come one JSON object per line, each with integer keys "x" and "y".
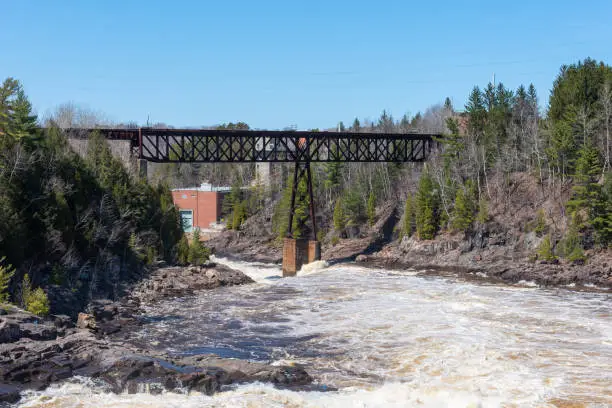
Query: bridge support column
{"x": 295, "y": 255}
{"x": 142, "y": 169}
{"x": 299, "y": 251}
{"x": 314, "y": 251}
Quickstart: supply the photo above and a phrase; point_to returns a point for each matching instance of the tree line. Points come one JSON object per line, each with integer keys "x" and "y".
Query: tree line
{"x": 77, "y": 226}
{"x": 500, "y": 140}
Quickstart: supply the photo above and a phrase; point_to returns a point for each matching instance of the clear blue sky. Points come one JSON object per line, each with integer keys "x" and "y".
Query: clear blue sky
{"x": 278, "y": 63}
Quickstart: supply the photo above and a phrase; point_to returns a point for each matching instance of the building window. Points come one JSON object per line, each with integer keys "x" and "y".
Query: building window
{"x": 186, "y": 220}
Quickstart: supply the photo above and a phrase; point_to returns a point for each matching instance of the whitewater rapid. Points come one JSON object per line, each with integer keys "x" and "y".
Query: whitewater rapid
{"x": 377, "y": 338}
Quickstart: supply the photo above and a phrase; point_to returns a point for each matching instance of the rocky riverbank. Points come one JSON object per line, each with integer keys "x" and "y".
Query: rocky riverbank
{"x": 36, "y": 352}
{"x": 501, "y": 263}
{"x": 498, "y": 255}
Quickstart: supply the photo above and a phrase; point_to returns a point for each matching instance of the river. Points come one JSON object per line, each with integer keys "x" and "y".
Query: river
{"x": 376, "y": 338}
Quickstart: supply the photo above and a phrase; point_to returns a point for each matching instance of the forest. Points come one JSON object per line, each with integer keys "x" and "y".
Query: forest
{"x": 74, "y": 226}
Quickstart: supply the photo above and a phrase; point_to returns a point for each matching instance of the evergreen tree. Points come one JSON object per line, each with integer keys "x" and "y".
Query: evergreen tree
{"x": 601, "y": 212}
{"x": 590, "y": 195}
{"x": 427, "y": 207}
{"x": 182, "y": 249}
{"x": 408, "y": 219}
{"x": 463, "y": 211}
{"x": 339, "y": 216}
{"x": 356, "y": 127}
{"x": 353, "y": 206}
{"x": 23, "y": 124}
{"x": 280, "y": 219}
{"x": 571, "y": 244}
{"x": 545, "y": 250}
{"x": 454, "y": 144}
{"x": 475, "y": 109}
{"x": 198, "y": 253}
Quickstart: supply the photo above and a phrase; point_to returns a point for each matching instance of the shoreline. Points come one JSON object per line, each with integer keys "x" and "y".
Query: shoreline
{"x": 595, "y": 276}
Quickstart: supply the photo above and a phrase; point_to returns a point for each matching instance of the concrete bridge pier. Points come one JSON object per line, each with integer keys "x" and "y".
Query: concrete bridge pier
{"x": 297, "y": 253}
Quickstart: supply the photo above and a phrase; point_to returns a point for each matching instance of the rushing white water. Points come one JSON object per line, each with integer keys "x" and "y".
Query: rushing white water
{"x": 382, "y": 339}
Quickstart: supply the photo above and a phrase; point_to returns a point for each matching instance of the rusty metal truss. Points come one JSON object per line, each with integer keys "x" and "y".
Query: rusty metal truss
{"x": 231, "y": 146}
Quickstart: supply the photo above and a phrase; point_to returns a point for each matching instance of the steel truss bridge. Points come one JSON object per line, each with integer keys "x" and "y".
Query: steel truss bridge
{"x": 244, "y": 146}
{"x": 260, "y": 146}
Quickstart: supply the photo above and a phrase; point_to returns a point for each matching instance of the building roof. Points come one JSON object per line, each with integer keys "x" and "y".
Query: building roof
{"x": 205, "y": 187}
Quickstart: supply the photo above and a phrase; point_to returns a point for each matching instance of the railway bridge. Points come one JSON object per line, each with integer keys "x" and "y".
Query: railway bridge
{"x": 257, "y": 146}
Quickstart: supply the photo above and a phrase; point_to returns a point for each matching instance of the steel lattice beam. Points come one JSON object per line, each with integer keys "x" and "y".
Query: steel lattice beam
{"x": 232, "y": 146}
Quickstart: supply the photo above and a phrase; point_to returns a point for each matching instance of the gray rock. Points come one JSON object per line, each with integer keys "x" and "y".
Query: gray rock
{"x": 9, "y": 393}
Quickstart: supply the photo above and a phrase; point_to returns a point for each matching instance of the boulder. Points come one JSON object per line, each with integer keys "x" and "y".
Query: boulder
{"x": 9, "y": 393}
{"x": 86, "y": 321}
{"x": 9, "y": 331}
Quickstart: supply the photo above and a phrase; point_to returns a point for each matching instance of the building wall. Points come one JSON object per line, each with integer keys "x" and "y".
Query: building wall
{"x": 206, "y": 205}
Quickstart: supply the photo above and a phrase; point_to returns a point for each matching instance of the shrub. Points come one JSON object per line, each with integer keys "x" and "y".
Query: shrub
{"x": 182, "y": 251}
{"x": 38, "y": 302}
{"x": 198, "y": 253}
{"x": 34, "y": 301}
{"x": 540, "y": 222}
{"x": 545, "y": 250}
{"x": 334, "y": 240}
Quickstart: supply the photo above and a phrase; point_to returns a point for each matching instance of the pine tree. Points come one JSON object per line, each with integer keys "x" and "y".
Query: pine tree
{"x": 463, "y": 211}
{"x": 371, "y": 208}
{"x": 182, "y": 249}
{"x": 601, "y": 216}
{"x": 571, "y": 244}
{"x": 23, "y": 125}
{"x": 339, "y": 216}
{"x": 427, "y": 207}
{"x": 198, "y": 253}
{"x": 408, "y": 219}
{"x": 590, "y": 195}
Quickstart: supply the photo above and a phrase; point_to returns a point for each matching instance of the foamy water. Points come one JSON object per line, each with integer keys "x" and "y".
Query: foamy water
{"x": 383, "y": 339}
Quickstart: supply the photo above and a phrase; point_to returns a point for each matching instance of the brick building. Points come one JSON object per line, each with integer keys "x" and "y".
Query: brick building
{"x": 199, "y": 207}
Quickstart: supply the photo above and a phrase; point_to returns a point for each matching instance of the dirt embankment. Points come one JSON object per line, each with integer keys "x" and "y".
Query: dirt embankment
{"x": 36, "y": 352}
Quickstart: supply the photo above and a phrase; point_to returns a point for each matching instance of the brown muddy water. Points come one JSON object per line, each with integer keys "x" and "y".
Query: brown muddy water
{"x": 376, "y": 338}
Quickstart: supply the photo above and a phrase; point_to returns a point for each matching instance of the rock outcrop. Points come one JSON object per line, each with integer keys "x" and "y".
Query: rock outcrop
{"x": 36, "y": 352}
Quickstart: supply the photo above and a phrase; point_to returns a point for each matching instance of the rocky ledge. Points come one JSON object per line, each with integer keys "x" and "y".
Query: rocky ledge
{"x": 495, "y": 262}
{"x": 36, "y": 352}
